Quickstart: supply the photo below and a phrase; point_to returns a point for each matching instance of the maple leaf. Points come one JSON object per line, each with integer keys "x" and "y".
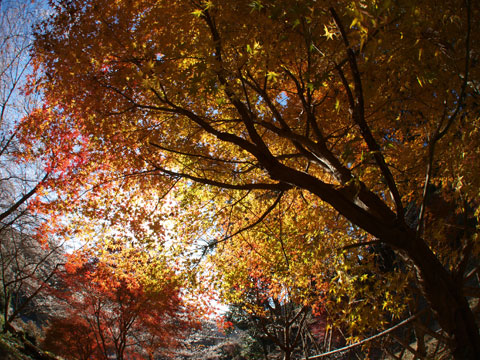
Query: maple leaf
{"x": 329, "y": 33}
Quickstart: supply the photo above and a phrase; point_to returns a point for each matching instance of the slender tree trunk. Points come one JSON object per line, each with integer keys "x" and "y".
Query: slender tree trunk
{"x": 446, "y": 300}
{"x": 6, "y": 307}
{"x": 287, "y": 351}
{"x": 420, "y": 336}
{"x": 265, "y": 351}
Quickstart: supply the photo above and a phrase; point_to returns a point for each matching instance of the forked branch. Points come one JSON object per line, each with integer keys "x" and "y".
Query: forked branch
{"x": 358, "y": 115}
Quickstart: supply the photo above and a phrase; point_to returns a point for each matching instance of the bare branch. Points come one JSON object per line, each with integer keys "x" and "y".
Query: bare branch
{"x": 22, "y": 200}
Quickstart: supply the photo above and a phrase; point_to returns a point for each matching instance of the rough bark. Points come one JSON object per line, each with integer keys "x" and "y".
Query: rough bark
{"x": 445, "y": 297}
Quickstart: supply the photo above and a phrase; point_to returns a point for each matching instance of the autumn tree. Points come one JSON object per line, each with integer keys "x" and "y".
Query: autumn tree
{"x": 134, "y": 312}
{"x": 70, "y": 337}
{"x": 29, "y": 258}
{"x": 355, "y": 111}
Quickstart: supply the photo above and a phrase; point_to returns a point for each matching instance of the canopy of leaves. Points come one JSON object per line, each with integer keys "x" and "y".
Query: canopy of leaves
{"x": 275, "y": 133}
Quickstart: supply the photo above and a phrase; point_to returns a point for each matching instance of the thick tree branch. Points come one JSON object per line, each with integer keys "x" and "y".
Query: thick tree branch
{"x": 243, "y": 111}
{"x": 263, "y": 93}
{"x": 358, "y": 116}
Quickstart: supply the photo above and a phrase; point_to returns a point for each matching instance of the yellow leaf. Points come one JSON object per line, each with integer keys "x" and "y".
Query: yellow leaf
{"x": 197, "y": 12}
{"x": 328, "y": 33}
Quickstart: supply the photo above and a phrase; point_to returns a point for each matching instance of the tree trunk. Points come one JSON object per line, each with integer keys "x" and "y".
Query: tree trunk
{"x": 443, "y": 293}
{"x": 446, "y": 300}
{"x": 6, "y": 323}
